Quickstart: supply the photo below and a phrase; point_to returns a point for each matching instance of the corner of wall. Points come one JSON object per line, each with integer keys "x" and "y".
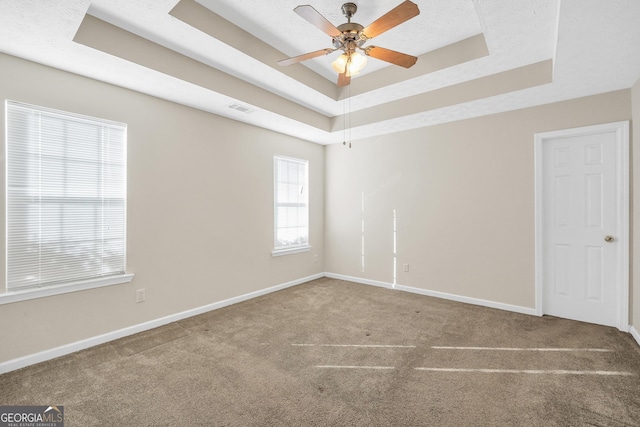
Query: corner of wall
{"x": 635, "y": 210}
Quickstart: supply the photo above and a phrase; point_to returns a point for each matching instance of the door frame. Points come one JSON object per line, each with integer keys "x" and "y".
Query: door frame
{"x": 621, "y": 130}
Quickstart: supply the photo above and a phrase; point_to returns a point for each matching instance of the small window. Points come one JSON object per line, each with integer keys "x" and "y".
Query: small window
{"x": 291, "y": 206}
{"x": 66, "y": 197}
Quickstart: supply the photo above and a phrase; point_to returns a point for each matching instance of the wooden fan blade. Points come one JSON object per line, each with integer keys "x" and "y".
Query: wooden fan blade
{"x": 388, "y": 55}
{"x": 304, "y": 57}
{"x": 396, "y": 16}
{"x": 314, "y": 17}
{"x": 343, "y": 80}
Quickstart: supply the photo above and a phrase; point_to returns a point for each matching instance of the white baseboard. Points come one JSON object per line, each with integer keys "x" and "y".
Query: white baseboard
{"x": 21, "y": 362}
{"x": 635, "y": 334}
{"x": 31, "y": 359}
{"x": 359, "y": 280}
{"x": 468, "y": 300}
{"x": 443, "y": 295}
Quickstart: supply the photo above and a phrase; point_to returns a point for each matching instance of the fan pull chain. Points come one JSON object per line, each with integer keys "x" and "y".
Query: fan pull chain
{"x": 344, "y": 122}
{"x": 346, "y": 118}
{"x": 349, "y": 93}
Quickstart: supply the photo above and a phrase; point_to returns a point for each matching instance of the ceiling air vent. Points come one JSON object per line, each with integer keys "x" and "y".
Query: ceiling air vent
{"x": 241, "y": 108}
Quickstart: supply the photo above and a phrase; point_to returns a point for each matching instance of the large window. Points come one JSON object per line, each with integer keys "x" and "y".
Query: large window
{"x": 66, "y": 194}
{"x": 291, "y": 205}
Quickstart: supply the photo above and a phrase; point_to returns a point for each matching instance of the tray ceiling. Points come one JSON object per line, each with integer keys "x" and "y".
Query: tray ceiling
{"x": 476, "y": 57}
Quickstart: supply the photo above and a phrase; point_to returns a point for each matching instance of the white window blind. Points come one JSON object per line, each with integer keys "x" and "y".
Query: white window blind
{"x": 291, "y": 203}
{"x": 66, "y": 194}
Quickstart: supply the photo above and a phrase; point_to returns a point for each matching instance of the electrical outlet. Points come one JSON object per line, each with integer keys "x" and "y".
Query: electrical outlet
{"x": 315, "y": 258}
{"x": 405, "y": 267}
{"x": 140, "y": 296}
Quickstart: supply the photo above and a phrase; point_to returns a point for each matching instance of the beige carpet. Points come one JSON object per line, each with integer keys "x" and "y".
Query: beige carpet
{"x": 334, "y": 353}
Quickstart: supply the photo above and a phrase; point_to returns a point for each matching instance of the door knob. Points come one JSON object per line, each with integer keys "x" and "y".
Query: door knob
{"x": 609, "y": 239}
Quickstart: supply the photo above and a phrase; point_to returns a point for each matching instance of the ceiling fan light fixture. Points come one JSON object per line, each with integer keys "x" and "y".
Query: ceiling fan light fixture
{"x": 351, "y": 36}
{"x": 351, "y": 63}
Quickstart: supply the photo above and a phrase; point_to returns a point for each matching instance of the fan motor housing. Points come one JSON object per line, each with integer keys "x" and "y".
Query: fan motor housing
{"x": 350, "y": 27}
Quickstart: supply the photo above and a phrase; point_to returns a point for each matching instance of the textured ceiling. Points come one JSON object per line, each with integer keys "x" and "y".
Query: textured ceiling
{"x": 476, "y": 57}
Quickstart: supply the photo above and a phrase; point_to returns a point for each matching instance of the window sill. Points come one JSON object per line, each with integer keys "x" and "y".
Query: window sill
{"x": 16, "y": 296}
{"x": 289, "y": 251}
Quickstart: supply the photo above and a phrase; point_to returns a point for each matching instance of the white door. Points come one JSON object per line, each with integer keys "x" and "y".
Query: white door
{"x": 582, "y": 215}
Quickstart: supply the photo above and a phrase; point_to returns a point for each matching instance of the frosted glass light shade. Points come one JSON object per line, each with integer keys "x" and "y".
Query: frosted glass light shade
{"x": 356, "y": 64}
{"x": 340, "y": 63}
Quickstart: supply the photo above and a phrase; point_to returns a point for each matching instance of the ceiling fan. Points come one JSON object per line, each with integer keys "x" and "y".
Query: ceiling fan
{"x": 350, "y": 37}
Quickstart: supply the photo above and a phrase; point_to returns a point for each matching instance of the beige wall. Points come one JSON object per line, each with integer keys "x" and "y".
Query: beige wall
{"x": 635, "y": 177}
{"x": 463, "y": 194}
{"x": 200, "y": 211}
